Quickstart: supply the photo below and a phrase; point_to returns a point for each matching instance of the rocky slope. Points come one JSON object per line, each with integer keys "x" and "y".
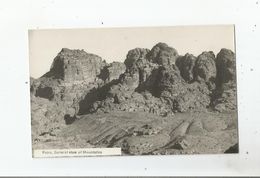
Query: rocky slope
{"x": 157, "y": 83}
{"x": 143, "y": 133}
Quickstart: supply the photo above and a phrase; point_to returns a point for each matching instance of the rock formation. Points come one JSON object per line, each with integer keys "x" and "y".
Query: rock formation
{"x": 112, "y": 71}
{"x": 226, "y": 66}
{"x": 186, "y": 65}
{"x": 225, "y": 93}
{"x": 134, "y": 55}
{"x": 76, "y": 65}
{"x": 162, "y": 54}
{"x": 156, "y": 81}
{"x": 205, "y": 67}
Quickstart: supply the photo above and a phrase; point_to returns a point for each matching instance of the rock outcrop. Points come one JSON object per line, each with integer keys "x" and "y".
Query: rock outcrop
{"x": 72, "y": 75}
{"x": 164, "y": 55}
{"x": 225, "y": 97}
{"x": 136, "y": 56}
{"x": 226, "y": 66}
{"x": 76, "y": 65}
{"x": 156, "y": 81}
{"x": 205, "y": 67}
{"x": 186, "y": 65}
{"x": 112, "y": 71}
{"x": 170, "y": 88}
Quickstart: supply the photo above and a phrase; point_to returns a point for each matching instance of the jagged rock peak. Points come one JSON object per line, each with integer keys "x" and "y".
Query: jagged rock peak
{"x": 226, "y": 66}
{"x": 75, "y": 65}
{"x": 76, "y": 54}
{"x": 134, "y": 55}
{"x": 205, "y": 67}
{"x": 163, "y": 54}
{"x": 186, "y": 64}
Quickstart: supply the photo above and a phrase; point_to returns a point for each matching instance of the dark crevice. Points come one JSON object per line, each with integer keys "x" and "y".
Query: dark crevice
{"x": 45, "y": 92}
{"x": 95, "y": 94}
{"x": 104, "y": 73}
{"x": 69, "y": 119}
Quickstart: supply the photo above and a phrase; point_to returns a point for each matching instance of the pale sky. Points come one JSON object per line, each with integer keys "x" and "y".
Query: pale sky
{"x": 112, "y": 44}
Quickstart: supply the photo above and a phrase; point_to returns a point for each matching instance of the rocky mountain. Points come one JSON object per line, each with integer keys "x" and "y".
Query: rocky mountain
{"x": 159, "y": 82}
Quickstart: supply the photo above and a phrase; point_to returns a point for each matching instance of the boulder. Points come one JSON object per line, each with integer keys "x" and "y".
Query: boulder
{"x": 162, "y": 54}
{"x": 137, "y": 61}
{"x": 224, "y": 97}
{"x": 226, "y": 66}
{"x": 134, "y": 55}
{"x": 205, "y": 67}
{"x": 186, "y": 64}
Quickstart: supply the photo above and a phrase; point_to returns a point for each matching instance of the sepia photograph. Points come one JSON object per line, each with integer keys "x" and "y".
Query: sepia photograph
{"x": 133, "y": 91}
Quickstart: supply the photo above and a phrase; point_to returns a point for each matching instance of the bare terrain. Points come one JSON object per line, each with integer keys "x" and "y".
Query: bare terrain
{"x": 142, "y": 133}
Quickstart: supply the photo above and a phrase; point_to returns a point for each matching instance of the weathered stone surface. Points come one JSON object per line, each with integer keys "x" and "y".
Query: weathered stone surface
{"x": 138, "y": 62}
{"x": 46, "y": 88}
{"x": 194, "y": 97}
{"x": 47, "y": 119}
{"x": 168, "y": 82}
{"x": 140, "y": 133}
{"x": 196, "y": 128}
{"x": 136, "y": 56}
{"x": 76, "y": 65}
{"x": 133, "y": 102}
{"x": 226, "y": 66}
{"x": 205, "y": 67}
{"x": 162, "y": 54}
{"x": 112, "y": 71}
{"x": 130, "y": 79}
{"x": 163, "y": 95}
{"x": 186, "y": 65}
{"x": 224, "y": 97}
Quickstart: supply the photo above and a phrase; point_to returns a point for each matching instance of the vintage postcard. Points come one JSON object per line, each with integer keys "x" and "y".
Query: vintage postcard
{"x": 133, "y": 91}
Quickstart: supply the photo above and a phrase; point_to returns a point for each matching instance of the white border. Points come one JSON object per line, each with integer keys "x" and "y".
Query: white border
{"x": 17, "y": 17}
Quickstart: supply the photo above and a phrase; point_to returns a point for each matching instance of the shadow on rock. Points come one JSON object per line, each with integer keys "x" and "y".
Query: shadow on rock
{"x": 69, "y": 119}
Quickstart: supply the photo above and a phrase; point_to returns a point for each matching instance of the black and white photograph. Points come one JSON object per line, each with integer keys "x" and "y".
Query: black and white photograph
{"x": 133, "y": 88}
{"x": 138, "y": 90}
